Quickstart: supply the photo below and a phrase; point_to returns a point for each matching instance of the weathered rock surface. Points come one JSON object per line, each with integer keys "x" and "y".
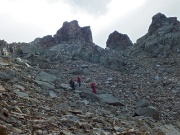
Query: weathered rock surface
{"x": 45, "y": 41}
{"x": 109, "y": 99}
{"x": 117, "y": 41}
{"x": 163, "y": 37}
{"x": 74, "y": 42}
{"x": 72, "y": 33}
{"x": 35, "y": 97}
{"x": 148, "y": 111}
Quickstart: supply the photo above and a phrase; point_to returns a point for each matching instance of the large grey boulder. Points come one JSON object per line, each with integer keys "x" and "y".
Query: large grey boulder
{"x": 148, "y": 111}
{"x": 89, "y": 96}
{"x": 64, "y": 86}
{"x": 45, "y": 85}
{"x": 43, "y": 76}
{"x": 109, "y": 99}
{"x": 142, "y": 103}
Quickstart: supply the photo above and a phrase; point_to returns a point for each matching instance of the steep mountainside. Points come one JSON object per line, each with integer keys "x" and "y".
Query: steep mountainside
{"x": 140, "y": 97}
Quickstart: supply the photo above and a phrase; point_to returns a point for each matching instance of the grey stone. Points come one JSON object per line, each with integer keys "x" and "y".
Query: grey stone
{"x": 149, "y": 111}
{"x": 45, "y": 85}
{"x": 43, "y": 76}
{"x": 4, "y": 76}
{"x": 89, "y": 96}
{"x": 141, "y": 103}
{"x": 52, "y": 94}
{"x": 21, "y": 94}
{"x": 168, "y": 130}
{"x": 109, "y": 99}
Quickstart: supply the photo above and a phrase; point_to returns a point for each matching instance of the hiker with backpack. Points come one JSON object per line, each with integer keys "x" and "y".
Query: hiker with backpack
{"x": 72, "y": 84}
{"x": 79, "y": 81}
{"x": 92, "y": 85}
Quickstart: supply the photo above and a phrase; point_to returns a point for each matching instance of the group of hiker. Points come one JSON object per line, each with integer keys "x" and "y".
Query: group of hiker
{"x": 72, "y": 84}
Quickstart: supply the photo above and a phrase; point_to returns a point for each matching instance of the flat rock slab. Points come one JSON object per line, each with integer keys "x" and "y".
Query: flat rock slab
{"x": 21, "y": 94}
{"x": 109, "y": 99}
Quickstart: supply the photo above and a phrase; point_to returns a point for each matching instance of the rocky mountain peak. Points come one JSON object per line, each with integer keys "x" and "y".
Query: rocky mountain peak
{"x": 71, "y": 24}
{"x": 71, "y": 32}
{"x": 163, "y": 38}
{"x": 160, "y": 20}
{"x": 159, "y": 16}
{"x": 118, "y": 41}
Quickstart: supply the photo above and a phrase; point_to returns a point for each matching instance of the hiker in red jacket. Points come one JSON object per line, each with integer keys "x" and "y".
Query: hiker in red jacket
{"x": 79, "y": 81}
{"x": 92, "y": 85}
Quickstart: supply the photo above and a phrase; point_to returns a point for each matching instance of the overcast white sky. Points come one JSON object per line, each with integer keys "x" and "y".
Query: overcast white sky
{"x": 25, "y": 20}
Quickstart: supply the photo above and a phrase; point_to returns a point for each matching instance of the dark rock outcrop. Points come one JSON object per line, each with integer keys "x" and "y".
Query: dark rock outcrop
{"x": 2, "y": 43}
{"x": 72, "y": 33}
{"x": 45, "y": 41}
{"x": 159, "y": 20}
{"x": 118, "y": 41}
{"x": 69, "y": 33}
{"x": 163, "y": 37}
